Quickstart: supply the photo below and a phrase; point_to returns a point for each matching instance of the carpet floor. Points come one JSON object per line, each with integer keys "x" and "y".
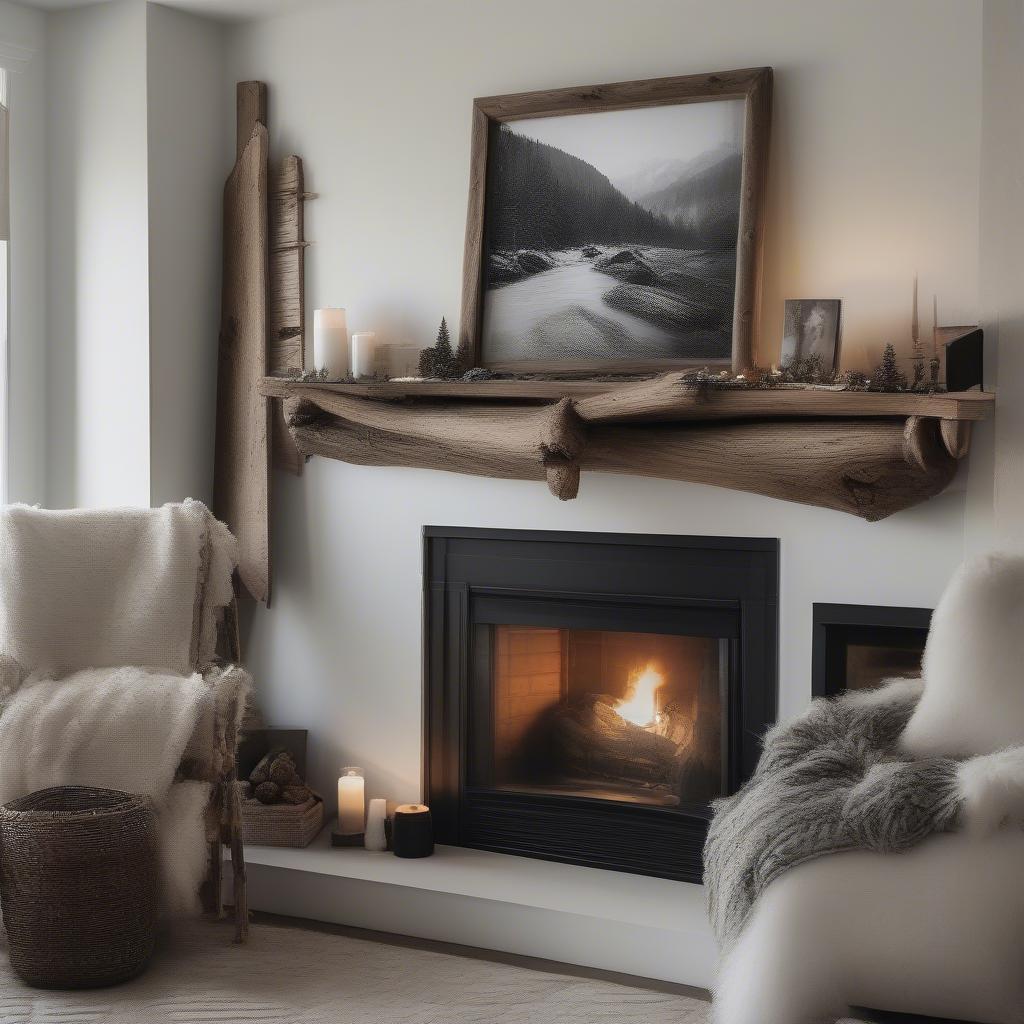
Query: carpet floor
{"x": 292, "y": 975}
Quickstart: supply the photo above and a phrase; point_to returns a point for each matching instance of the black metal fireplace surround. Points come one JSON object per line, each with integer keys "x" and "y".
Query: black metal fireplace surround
{"x": 588, "y": 694}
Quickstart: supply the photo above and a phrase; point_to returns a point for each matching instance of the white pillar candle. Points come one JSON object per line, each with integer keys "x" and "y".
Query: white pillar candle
{"x": 364, "y": 354}
{"x": 376, "y": 839}
{"x": 401, "y": 360}
{"x": 330, "y": 342}
{"x": 351, "y": 802}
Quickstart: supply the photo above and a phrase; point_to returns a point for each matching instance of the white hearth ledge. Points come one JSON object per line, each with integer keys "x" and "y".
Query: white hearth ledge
{"x": 650, "y": 927}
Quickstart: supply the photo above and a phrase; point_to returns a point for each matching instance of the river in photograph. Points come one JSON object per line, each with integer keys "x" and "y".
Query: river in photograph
{"x": 561, "y": 314}
{"x": 576, "y": 310}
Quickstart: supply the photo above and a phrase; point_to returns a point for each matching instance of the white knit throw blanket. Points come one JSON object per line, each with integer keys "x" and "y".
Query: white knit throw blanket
{"x": 83, "y": 588}
{"x": 123, "y": 729}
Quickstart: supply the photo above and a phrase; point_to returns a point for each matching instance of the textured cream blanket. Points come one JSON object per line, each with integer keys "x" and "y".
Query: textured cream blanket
{"x": 124, "y": 729}
{"x": 83, "y": 588}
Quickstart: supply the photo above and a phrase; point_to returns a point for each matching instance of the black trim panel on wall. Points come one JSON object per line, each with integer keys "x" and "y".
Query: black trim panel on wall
{"x": 838, "y": 626}
{"x": 687, "y": 585}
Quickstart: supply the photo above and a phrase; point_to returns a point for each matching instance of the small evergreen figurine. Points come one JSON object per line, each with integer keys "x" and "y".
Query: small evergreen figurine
{"x": 427, "y": 362}
{"x": 444, "y": 357}
{"x": 887, "y": 375}
{"x": 463, "y": 358}
{"x": 440, "y": 361}
{"x": 854, "y": 380}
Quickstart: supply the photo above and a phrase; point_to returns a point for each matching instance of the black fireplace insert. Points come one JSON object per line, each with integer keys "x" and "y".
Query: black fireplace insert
{"x": 589, "y": 695}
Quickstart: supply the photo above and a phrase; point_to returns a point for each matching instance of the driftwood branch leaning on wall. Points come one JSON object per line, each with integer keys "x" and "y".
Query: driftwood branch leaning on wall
{"x": 262, "y": 331}
{"x": 866, "y": 454}
{"x": 241, "y": 491}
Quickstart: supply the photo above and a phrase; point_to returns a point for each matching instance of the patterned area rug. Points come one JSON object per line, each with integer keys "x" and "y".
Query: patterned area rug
{"x": 289, "y": 975}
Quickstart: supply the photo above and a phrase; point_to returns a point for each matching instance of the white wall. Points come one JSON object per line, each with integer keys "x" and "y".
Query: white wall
{"x": 186, "y": 130}
{"x": 98, "y": 257}
{"x": 136, "y": 171}
{"x": 874, "y": 174}
{"x": 1002, "y": 260}
{"x": 27, "y": 422}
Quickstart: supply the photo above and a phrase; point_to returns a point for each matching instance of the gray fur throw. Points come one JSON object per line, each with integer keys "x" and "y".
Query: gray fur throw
{"x": 832, "y": 780}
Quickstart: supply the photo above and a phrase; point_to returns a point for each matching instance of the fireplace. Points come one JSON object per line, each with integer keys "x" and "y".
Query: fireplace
{"x": 589, "y": 695}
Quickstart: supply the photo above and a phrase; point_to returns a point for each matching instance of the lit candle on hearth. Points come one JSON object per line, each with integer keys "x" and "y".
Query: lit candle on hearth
{"x": 351, "y": 801}
{"x": 330, "y": 342}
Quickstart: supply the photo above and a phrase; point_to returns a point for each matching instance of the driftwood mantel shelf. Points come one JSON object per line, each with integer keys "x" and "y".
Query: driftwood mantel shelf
{"x": 867, "y": 454}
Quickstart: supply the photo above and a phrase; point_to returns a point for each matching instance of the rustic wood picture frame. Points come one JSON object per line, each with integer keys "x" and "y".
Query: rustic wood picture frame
{"x": 753, "y": 85}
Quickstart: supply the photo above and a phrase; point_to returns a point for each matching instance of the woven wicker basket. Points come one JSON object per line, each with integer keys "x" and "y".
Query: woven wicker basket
{"x": 280, "y": 824}
{"x": 78, "y": 886}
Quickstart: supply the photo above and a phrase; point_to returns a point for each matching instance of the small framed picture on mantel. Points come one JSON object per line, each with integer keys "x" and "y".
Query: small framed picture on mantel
{"x": 617, "y": 228}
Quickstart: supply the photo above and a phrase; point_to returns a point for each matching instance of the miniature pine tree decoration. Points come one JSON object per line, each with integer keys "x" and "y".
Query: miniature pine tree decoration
{"x": 444, "y": 357}
{"x": 887, "y": 375}
{"x": 427, "y": 362}
{"x": 463, "y": 358}
{"x": 443, "y": 354}
{"x": 439, "y": 360}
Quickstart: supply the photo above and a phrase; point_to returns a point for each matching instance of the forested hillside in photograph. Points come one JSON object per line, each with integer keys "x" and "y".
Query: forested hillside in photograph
{"x": 540, "y": 197}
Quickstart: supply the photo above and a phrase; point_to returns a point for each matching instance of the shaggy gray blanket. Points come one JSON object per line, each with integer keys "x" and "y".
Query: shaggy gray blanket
{"x": 832, "y": 780}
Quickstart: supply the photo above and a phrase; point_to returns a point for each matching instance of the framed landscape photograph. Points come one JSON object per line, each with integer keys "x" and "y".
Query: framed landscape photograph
{"x": 617, "y": 228}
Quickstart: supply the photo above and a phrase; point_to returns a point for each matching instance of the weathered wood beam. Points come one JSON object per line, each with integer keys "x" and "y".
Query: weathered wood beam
{"x": 867, "y": 467}
{"x": 672, "y": 396}
{"x": 956, "y": 435}
{"x": 241, "y": 493}
{"x": 515, "y": 442}
{"x": 661, "y": 399}
{"x": 287, "y": 293}
{"x": 250, "y": 110}
{"x": 855, "y": 466}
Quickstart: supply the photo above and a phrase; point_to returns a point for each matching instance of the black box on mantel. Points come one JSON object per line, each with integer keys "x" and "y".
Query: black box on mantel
{"x": 965, "y": 366}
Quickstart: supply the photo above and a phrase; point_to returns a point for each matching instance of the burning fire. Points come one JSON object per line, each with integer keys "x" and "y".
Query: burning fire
{"x": 640, "y": 707}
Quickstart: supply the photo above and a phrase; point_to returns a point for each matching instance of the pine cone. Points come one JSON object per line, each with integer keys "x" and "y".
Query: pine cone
{"x": 282, "y": 771}
{"x": 268, "y": 793}
{"x": 295, "y": 794}
{"x": 261, "y": 773}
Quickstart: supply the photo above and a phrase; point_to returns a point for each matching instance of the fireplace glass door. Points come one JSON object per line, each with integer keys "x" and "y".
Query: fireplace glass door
{"x": 589, "y": 698}
{"x": 604, "y": 714}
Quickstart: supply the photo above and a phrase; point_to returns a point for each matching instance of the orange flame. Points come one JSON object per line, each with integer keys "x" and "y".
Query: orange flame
{"x": 639, "y": 706}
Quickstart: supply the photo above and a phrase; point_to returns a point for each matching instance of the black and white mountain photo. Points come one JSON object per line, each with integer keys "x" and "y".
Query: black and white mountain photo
{"x": 610, "y": 238}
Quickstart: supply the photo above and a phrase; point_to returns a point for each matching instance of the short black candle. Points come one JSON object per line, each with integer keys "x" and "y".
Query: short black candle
{"x": 412, "y": 831}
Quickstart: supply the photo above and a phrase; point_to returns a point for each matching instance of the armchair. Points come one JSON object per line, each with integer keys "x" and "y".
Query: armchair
{"x": 113, "y": 609}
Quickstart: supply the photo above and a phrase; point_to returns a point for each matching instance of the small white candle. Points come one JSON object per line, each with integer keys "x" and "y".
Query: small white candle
{"x": 364, "y": 354}
{"x": 330, "y": 341}
{"x": 351, "y": 801}
{"x": 376, "y": 839}
{"x": 401, "y": 360}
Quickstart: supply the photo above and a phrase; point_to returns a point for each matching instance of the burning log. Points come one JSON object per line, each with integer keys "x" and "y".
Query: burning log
{"x": 675, "y": 724}
{"x": 595, "y": 740}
